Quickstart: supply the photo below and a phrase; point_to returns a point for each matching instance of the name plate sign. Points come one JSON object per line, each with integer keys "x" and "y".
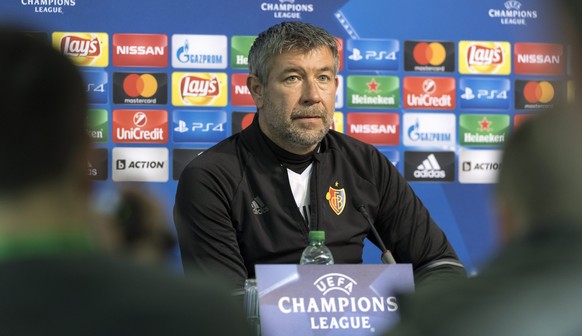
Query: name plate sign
{"x": 330, "y": 299}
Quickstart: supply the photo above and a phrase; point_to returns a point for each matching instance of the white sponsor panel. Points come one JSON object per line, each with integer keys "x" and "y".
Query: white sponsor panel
{"x": 199, "y": 51}
{"x": 339, "y": 94}
{"x": 479, "y": 166}
{"x": 429, "y": 129}
{"x": 140, "y": 164}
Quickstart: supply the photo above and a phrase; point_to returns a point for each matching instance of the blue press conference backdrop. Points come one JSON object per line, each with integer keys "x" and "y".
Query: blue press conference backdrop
{"x": 437, "y": 86}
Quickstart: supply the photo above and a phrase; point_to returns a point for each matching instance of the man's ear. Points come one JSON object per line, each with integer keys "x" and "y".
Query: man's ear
{"x": 256, "y": 88}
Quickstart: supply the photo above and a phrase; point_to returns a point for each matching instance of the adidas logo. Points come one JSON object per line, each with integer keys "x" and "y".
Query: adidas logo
{"x": 258, "y": 206}
{"x": 430, "y": 168}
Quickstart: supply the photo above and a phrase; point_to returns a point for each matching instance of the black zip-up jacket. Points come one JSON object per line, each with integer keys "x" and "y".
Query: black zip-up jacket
{"x": 234, "y": 209}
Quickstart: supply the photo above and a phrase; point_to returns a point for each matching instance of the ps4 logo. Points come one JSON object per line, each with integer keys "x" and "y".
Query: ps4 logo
{"x": 484, "y": 94}
{"x": 199, "y": 126}
{"x": 372, "y": 55}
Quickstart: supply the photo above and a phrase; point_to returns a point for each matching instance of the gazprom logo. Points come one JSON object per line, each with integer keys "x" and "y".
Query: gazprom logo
{"x": 335, "y": 282}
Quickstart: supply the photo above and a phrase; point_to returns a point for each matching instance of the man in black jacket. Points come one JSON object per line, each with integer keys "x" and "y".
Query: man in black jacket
{"x": 253, "y": 198}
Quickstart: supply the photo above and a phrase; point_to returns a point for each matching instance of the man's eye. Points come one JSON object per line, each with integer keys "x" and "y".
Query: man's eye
{"x": 292, "y": 79}
{"x": 324, "y": 78}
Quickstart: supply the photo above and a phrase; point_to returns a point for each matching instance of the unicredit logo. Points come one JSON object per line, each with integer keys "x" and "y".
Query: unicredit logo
{"x": 78, "y": 46}
{"x": 421, "y": 92}
{"x": 193, "y": 86}
{"x": 130, "y": 126}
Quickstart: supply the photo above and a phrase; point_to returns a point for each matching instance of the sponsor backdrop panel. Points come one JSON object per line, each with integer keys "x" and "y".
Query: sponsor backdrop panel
{"x": 166, "y": 80}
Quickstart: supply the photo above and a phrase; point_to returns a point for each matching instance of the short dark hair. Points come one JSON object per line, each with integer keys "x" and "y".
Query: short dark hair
{"x": 286, "y": 37}
{"x": 43, "y": 111}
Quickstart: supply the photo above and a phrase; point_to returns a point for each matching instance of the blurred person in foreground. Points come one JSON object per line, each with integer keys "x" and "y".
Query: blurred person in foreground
{"x": 254, "y": 197}
{"x": 53, "y": 279}
{"x": 534, "y": 285}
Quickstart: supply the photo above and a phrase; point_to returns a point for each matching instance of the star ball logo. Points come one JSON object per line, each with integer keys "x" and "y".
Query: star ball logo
{"x": 429, "y": 56}
{"x": 484, "y": 57}
{"x": 537, "y": 94}
{"x": 140, "y": 126}
{"x": 484, "y": 93}
{"x": 429, "y": 93}
{"x": 483, "y": 129}
{"x": 373, "y": 91}
{"x": 199, "y": 89}
{"x": 140, "y": 88}
{"x": 140, "y": 50}
{"x": 372, "y": 54}
{"x": 538, "y": 59}
{"x": 374, "y": 128}
{"x": 84, "y": 49}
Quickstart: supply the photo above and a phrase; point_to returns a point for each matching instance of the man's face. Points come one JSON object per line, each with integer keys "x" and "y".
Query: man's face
{"x": 296, "y": 105}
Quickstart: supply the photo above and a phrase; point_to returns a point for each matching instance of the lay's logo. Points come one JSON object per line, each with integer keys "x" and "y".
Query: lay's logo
{"x": 199, "y": 89}
{"x": 84, "y": 49}
{"x": 482, "y": 57}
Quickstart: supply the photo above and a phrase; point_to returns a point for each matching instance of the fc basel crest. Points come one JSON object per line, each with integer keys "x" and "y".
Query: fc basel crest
{"x": 337, "y": 199}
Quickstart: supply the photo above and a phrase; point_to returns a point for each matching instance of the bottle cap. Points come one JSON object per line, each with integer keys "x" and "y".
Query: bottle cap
{"x": 317, "y": 236}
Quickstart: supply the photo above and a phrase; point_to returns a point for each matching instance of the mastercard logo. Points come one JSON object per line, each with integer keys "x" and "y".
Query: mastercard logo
{"x": 136, "y": 85}
{"x": 433, "y": 53}
{"x": 538, "y": 92}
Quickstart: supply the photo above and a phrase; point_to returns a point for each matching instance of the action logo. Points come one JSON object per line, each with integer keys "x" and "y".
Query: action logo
{"x": 429, "y": 166}
{"x": 374, "y": 128}
{"x": 429, "y": 129}
{"x": 484, "y": 58}
{"x": 140, "y": 88}
{"x": 97, "y": 127}
{"x": 483, "y": 129}
{"x": 140, "y": 164}
{"x": 199, "y": 51}
{"x": 373, "y": 54}
{"x": 336, "y": 199}
{"x": 84, "y": 49}
{"x": 140, "y": 50}
{"x": 140, "y": 126}
{"x": 373, "y": 91}
{"x": 97, "y": 86}
{"x": 484, "y": 93}
{"x": 479, "y": 166}
{"x": 199, "y": 89}
{"x": 199, "y": 126}
{"x": 429, "y": 93}
{"x": 429, "y": 56}
{"x": 537, "y": 94}
{"x": 538, "y": 59}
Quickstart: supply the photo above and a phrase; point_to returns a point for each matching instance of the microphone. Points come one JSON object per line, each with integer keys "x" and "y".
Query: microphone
{"x": 386, "y": 256}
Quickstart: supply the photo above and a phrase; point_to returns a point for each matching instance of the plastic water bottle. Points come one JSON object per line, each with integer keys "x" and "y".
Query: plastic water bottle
{"x": 316, "y": 253}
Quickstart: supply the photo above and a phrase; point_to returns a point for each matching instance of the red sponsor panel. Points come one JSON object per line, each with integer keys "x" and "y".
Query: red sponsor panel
{"x": 241, "y": 96}
{"x": 429, "y": 93}
{"x": 374, "y": 128}
{"x": 140, "y": 50}
{"x": 519, "y": 119}
{"x": 340, "y": 51}
{"x": 140, "y": 126}
{"x": 538, "y": 59}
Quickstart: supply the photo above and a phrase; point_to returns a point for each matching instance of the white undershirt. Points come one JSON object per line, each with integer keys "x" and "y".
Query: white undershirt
{"x": 300, "y": 186}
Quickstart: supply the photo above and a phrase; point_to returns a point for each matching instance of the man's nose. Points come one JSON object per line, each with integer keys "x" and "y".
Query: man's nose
{"x": 311, "y": 92}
